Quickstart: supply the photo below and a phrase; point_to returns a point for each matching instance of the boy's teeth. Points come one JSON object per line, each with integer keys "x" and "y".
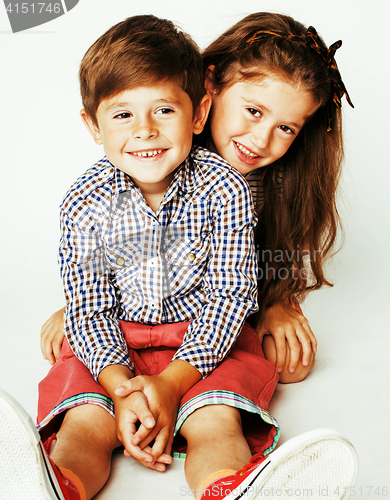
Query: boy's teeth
{"x": 148, "y": 153}
{"x": 246, "y": 151}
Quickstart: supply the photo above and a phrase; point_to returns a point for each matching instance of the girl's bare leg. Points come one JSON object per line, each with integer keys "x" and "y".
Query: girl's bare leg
{"x": 285, "y": 376}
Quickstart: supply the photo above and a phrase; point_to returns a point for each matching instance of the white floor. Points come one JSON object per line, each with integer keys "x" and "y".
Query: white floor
{"x": 347, "y": 391}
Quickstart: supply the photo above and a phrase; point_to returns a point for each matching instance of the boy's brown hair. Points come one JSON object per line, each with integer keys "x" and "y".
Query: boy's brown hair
{"x": 140, "y": 51}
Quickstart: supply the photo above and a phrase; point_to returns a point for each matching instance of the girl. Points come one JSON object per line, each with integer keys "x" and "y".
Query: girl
{"x": 276, "y": 118}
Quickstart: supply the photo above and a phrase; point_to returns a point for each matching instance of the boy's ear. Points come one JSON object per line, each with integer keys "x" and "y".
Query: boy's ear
{"x": 93, "y": 129}
{"x": 208, "y": 81}
{"x": 201, "y": 114}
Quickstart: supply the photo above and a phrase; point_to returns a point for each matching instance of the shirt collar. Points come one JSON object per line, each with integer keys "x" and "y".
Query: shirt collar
{"x": 187, "y": 178}
{"x": 190, "y": 176}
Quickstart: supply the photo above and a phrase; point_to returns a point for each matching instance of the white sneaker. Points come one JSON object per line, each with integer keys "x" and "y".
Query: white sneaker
{"x": 317, "y": 465}
{"x": 25, "y": 469}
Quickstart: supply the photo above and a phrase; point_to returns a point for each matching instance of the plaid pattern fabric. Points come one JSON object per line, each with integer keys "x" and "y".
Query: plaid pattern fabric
{"x": 77, "y": 400}
{"x": 192, "y": 260}
{"x": 228, "y": 398}
{"x": 257, "y": 186}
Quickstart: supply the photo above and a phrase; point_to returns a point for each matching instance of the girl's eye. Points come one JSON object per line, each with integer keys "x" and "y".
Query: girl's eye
{"x": 254, "y": 112}
{"x": 286, "y": 129}
{"x": 123, "y": 116}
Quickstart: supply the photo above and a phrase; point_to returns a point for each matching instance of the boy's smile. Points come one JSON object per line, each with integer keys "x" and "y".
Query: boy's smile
{"x": 254, "y": 122}
{"x": 147, "y": 133}
{"x": 148, "y": 154}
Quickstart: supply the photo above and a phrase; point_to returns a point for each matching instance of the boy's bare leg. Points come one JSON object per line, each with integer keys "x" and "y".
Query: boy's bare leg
{"x": 85, "y": 443}
{"x": 215, "y": 442}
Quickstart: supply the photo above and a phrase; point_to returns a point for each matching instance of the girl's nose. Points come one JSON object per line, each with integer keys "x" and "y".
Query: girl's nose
{"x": 262, "y": 136}
{"x": 144, "y": 129}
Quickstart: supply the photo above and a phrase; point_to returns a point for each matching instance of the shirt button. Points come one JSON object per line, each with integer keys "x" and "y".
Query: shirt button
{"x": 191, "y": 256}
{"x": 153, "y": 305}
{"x": 154, "y": 222}
{"x": 152, "y": 263}
{"x": 200, "y": 155}
{"x": 120, "y": 261}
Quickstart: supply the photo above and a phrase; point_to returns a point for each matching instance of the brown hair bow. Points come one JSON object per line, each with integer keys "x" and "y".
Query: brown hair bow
{"x": 312, "y": 40}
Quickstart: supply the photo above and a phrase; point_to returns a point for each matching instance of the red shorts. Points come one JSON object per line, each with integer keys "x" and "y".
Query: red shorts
{"x": 244, "y": 380}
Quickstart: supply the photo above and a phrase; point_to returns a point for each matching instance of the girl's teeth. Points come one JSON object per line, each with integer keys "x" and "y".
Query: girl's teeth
{"x": 146, "y": 154}
{"x": 246, "y": 151}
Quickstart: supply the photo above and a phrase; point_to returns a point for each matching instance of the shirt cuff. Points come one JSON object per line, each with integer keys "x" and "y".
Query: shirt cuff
{"x": 107, "y": 356}
{"x": 200, "y": 356}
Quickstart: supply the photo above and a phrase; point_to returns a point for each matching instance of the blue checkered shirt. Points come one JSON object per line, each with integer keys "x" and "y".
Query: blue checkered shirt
{"x": 193, "y": 260}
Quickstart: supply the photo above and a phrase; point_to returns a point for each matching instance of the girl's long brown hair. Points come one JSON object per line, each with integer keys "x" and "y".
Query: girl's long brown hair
{"x": 304, "y": 220}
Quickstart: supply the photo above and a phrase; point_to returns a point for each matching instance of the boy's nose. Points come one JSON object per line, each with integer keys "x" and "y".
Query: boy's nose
{"x": 144, "y": 129}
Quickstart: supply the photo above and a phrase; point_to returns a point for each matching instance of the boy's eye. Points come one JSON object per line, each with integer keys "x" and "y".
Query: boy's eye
{"x": 165, "y": 111}
{"x": 254, "y": 112}
{"x": 122, "y": 116}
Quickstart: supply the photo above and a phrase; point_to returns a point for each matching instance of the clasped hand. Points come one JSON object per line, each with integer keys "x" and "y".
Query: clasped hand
{"x": 152, "y": 403}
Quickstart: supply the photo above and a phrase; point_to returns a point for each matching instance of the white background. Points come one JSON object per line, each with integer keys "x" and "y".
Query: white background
{"x": 44, "y": 147}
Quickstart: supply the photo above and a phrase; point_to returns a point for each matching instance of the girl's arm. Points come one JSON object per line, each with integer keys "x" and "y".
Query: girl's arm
{"x": 52, "y": 336}
{"x": 288, "y": 342}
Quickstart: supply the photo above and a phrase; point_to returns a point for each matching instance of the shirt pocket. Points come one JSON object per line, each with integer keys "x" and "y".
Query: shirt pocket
{"x": 187, "y": 263}
{"x": 187, "y": 252}
{"x": 123, "y": 260}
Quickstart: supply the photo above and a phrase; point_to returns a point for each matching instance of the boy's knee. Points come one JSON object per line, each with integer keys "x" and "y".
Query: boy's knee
{"x": 89, "y": 421}
{"x": 210, "y": 419}
{"x": 87, "y": 413}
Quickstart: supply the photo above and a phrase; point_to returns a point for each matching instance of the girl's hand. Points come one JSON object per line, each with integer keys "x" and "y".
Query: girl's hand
{"x": 294, "y": 342}
{"x": 52, "y": 336}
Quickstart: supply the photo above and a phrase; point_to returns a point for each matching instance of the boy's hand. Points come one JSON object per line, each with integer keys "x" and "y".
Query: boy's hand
{"x": 289, "y": 328}
{"x": 163, "y": 400}
{"x": 52, "y": 336}
{"x": 163, "y": 394}
{"x": 129, "y": 411}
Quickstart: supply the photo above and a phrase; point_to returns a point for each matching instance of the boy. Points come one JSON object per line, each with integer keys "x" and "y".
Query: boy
{"x": 157, "y": 259}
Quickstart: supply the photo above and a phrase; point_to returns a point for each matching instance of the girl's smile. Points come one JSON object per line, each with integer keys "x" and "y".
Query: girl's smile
{"x": 254, "y": 122}
{"x": 245, "y": 155}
